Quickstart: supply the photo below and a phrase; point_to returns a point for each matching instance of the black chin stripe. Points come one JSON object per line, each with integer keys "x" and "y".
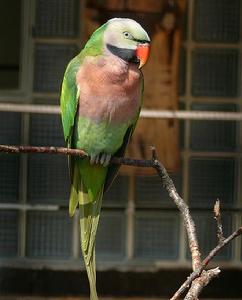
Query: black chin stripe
{"x": 125, "y": 54}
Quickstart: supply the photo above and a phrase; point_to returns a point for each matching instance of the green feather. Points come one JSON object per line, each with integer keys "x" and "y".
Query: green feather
{"x": 89, "y": 218}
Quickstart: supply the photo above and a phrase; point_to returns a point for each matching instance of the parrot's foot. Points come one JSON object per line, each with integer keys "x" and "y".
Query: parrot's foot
{"x": 101, "y": 158}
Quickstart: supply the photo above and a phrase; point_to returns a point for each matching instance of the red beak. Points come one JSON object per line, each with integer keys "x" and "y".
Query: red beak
{"x": 142, "y": 53}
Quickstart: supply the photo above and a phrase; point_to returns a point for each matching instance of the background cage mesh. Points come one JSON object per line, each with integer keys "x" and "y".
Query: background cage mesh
{"x": 217, "y": 21}
{"x": 48, "y": 179}
{"x": 56, "y": 18}
{"x": 150, "y": 193}
{"x": 49, "y": 234}
{"x": 8, "y": 233}
{"x": 215, "y": 72}
{"x": 156, "y": 236}
{"x": 117, "y": 194}
{"x": 9, "y": 180}
{"x": 10, "y": 129}
{"x": 46, "y": 130}
{"x": 111, "y": 236}
{"x": 50, "y": 63}
{"x": 213, "y": 135}
{"x": 211, "y": 179}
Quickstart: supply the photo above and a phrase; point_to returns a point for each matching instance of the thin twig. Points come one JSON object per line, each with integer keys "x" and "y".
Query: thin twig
{"x": 225, "y": 242}
{"x": 217, "y": 217}
{"x": 205, "y": 262}
{"x": 199, "y": 283}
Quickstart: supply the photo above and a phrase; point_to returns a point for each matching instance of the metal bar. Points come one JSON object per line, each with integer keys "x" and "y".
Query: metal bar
{"x": 145, "y": 113}
{"x": 30, "y": 108}
{"x": 48, "y": 207}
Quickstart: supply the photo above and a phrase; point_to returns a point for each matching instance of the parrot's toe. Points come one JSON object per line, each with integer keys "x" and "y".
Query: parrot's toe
{"x": 107, "y": 160}
{"x": 97, "y": 159}
{"x": 93, "y": 158}
{"x": 101, "y": 158}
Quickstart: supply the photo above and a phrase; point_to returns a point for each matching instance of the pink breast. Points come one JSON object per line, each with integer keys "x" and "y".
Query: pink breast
{"x": 109, "y": 90}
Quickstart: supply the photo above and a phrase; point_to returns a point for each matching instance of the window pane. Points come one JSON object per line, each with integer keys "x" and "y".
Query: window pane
{"x": 9, "y": 166}
{"x": 10, "y": 15}
{"x": 8, "y": 233}
{"x": 156, "y": 236}
{"x": 212, "y": 179}
{"x": 56, "y": 18}
{"x": 215, "y": 72}
{"x": 49, "y": 234}
{"x": 217, "y": 20}
{"x": 48, "y": 179}
{"x": 214, "y": 135}
{"x": 110, "y": 236}
{"x": 50, "y": 64}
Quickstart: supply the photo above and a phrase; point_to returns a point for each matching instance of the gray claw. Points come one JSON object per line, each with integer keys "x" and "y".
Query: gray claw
{"x": 107, "y": 160}
{"x": 97, "y": 159}
{"x": 92, "y": 159}
{"x": 103, "y": 158}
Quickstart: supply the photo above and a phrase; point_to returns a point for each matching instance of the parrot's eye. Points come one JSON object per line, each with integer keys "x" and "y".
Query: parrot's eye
{"x": 128, "y": 35}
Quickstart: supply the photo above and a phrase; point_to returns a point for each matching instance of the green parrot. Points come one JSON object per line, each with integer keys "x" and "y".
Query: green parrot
{"x": 101, "y": 98}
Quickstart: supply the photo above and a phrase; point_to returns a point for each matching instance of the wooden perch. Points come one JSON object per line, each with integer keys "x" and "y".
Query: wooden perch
{"x": 200, "y": 277}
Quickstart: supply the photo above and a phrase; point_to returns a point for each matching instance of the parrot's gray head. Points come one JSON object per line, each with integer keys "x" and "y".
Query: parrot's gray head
{"x": 127, "y": 39}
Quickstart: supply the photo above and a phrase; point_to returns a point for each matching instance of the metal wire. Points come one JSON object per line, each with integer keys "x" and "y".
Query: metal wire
{"x": 145, "y": 113}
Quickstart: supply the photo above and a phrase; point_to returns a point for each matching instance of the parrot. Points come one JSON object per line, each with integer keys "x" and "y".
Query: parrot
{"x": 100, "y": 101}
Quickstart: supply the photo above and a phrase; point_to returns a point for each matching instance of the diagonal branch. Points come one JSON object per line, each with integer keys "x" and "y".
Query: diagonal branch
{"x": 183, "y": 208}
{"x": 199, "y": 283}
{"x": 205, "y": 262}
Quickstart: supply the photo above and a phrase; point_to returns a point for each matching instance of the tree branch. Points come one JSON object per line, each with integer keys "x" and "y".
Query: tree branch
{"x": 199, "y": 283}
{"x": 205, "y": 262}
{"x": 73, "y": 152}
{"x": 183, "y": 208}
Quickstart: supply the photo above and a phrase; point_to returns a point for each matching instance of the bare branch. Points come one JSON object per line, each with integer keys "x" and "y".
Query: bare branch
{"x": 221, "y": 245}
{"x": 73, "y": 152}
{"x": 199, "y": 283}
{"x": 45, "y": 150}
{"x": 205, "y": 262}
{"x": 217, "y": 217}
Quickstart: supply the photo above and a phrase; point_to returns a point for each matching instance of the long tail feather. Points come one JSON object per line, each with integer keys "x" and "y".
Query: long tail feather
{"x": 89, "y": 218}
{"x": 74, "y": 199}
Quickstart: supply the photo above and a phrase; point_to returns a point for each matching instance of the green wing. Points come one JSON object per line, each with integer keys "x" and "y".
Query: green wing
{"x": 69, "y": 97}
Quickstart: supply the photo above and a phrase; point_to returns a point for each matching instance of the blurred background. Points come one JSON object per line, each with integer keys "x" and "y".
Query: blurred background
{"x": 195, "y": 66}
